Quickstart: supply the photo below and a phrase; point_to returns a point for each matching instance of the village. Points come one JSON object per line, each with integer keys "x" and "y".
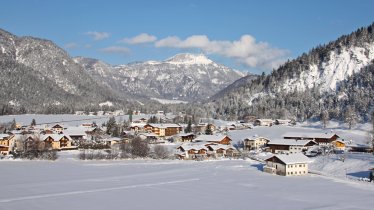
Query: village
{"x": 159, "y": 136}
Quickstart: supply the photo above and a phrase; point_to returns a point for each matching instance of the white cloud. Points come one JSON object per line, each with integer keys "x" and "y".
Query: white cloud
{"x": 97, "y": 36}
{"x": 245, "y": 50}
{"x": 140, "y": 39}
{"x": 116, "y": 50}
{"x": 71, "y": 45}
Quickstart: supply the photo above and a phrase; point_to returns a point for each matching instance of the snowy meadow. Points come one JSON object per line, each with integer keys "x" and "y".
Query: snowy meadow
{"x": 148, "y": 184}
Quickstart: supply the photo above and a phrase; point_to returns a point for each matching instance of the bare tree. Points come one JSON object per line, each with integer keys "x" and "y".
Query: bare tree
{"x": 125, "y": 148}
{"x": 139, "y": 147}
{"x": 161, "y": 152}
{"x": 325, "y": 118}
{"x": 350, "y": 117}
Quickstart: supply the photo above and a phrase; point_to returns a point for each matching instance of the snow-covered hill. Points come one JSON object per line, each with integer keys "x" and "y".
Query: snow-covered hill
{"x": 336, "y": 77}
{"x": 184, "y": 76}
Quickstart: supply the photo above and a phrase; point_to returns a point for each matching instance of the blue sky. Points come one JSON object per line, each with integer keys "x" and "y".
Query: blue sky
{"x": 248, "y": 35}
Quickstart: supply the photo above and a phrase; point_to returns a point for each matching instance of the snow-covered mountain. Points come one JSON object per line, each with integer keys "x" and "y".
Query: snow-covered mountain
{"x": 37, "y": 75}
{"x": 184, "y": 76}
{"x": 335, "y": 77}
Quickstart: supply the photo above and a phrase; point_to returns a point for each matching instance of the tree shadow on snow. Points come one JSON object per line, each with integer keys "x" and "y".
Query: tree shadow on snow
{"x": 259, "y": 166}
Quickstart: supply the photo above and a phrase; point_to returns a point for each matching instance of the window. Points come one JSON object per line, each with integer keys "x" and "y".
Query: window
{"x": 300, "y": 165}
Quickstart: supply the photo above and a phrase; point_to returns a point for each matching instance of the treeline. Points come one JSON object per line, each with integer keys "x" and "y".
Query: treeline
{"x": 132, "y": 149}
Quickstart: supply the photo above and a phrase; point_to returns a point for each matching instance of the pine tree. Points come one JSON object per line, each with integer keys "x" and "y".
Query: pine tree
{"x": 189, "y": 127}
{"x": 13, "y": 126}
{"x": 111, "y": 125}
{"x": 33, "y": 122}
{"x": 208, "y": 130}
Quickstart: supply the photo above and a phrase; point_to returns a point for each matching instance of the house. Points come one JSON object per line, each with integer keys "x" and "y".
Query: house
{"x": 58, "y": 128}
{"x": 111, "y": 141}
{"x": 192, "y": 151}
{"x": 263, "y": 122}
{"x": 6, "y": 143}
{"x": 202, "y": 127}
{"x": 290, "y": 146}
{"x": 76, "y": 133}
{"x": 287, "y": 165}
{"x": 184, "y": 137}
{"x": 220, "y": 150}
{"x": 282, "y": 122}
{"x": 57, "y": 141}
{"x": 216, "y": 139}
{"x": 255, "y": 142}
{"x": 137, "y": 126}
{"x": 163, "y": 130}
{"x": 320, "y": 138}
{"x": 338, "y": 144}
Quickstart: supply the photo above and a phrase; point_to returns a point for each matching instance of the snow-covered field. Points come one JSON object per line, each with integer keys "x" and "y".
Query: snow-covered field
{"x": 69, "y": 183}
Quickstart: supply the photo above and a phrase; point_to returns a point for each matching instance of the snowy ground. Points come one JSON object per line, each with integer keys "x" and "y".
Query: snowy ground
{"x": 69, "y": 183}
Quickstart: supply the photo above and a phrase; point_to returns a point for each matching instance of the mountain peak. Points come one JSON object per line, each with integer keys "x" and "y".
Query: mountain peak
{"x": 189, "y": 59}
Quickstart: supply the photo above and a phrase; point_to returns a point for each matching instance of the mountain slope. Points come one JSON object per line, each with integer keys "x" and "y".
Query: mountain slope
{"x": 38, "y": 76}
{"x": 184, "y": 76}
{"x": 314, "y": 82}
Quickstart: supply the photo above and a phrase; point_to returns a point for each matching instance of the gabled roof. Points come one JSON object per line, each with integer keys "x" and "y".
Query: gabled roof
{"x": 220, "y": 146}
{"x": 310, "y": 135}
{"x": 185, "y": 134}
{"x": 192, "y": 146}
{"x": 4, "y": 135}
{"x": 290, "y": 142}
{"x": 253, "y": 138}
{"x": 210, "y": 138}
{"x": 76, "y": 131}
{"x": 291, "y": 158}
{"x": 55, "y": 137}
{"x": 164, "y": 125}
{"x": 265, "y": 120}
{"x": 57, "y": 126}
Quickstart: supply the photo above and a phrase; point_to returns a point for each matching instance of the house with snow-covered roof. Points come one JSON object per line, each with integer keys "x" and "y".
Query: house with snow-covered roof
{"x": 192, "y": 151}
{"x": 217, "y": 139}
{"x": 221, "y": 150}
{"x": 57, "y": 128}
{"x": 287, "y": 165}
{"x": 263, "y": 122}
{"x": 290, "y": 146}
{"x": 255, "y": 142}
{"x": 282, "y": 122}
{"x": 338, "y": 144}
{"x": 184, "y": 137}
{"x": 6, "y": 143}
{"x": 165, "y": 129}
{"x": 320, "y": 138}
{"x": 57, "y": 141}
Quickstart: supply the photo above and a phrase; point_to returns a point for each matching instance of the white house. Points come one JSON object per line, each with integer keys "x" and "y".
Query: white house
{"x": 255, "y": 142}
{"x": 287, "y": 165}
